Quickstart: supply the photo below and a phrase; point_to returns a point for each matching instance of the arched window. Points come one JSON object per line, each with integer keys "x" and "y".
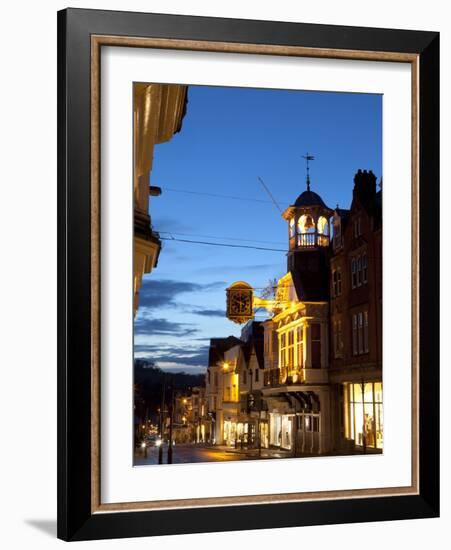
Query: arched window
{"x": 306, "y": 230}
{"x": 292, "y": 227}
{"x": 323, "y": 226}
{"x": 323, "y": 231}
{"x": 306, "y": 224}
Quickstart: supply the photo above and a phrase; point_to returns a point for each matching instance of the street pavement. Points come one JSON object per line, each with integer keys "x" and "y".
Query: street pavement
{"x": 184, "y": 454}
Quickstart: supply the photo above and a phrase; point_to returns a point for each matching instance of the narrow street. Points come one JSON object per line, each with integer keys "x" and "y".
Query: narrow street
{"x": 183, "y": 454}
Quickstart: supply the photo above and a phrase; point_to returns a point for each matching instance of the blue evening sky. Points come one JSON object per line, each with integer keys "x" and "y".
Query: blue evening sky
{"x": 230, "y": 137}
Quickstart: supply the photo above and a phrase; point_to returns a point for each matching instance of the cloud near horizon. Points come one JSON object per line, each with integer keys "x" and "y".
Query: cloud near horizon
{"x": 182, "y": 358}
{"x": 162, "y": 292}
{"x": 149, "y": 326}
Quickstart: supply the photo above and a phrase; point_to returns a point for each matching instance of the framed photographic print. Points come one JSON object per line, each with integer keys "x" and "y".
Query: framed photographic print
{"x": 248, "y": 274}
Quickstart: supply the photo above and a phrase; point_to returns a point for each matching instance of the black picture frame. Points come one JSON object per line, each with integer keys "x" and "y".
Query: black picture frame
{"x": 76, "y": 521}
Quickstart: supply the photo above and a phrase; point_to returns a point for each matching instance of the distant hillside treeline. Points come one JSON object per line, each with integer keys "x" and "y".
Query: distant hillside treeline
{"x": 148, "y": 383}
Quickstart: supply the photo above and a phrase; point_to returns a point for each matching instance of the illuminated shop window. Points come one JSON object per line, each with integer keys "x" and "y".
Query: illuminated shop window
{"x": 287, "y": 427}
{"x": 365, "y": 415}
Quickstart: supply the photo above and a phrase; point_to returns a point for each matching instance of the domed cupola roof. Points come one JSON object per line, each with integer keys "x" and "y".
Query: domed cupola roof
{"x": 309, "y": 198}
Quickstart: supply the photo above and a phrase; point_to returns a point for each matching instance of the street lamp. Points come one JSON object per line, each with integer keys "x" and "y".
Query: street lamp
{"x": 144, "y": 448}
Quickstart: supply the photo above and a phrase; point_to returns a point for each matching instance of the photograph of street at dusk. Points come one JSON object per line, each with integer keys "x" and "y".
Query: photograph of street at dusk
{"x": 257, "y": 274}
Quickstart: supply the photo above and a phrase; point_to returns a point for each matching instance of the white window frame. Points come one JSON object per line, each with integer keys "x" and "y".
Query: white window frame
{"x": 364, "y": 268}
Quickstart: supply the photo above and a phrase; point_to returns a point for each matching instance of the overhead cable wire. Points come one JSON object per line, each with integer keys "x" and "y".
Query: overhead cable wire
{"x": 266, "y": 188}
{"x": 223, "y": 244}
{"x": 215, "y": 195}
{"x": 217, "y": 237}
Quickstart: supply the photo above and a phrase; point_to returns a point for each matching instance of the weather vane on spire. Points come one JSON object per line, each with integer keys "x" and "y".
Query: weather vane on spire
{"x": 308, "y": 158}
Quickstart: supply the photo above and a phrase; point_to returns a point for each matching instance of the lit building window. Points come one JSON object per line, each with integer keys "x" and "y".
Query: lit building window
{"x": 282, "y": 352}
{"x": 364, "y": 414}
{"x": 300, "y": 347}
{"x": 290, "y": 349}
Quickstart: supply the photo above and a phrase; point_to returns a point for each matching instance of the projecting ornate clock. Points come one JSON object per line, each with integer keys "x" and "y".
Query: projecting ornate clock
{"x": 240, "y": 302}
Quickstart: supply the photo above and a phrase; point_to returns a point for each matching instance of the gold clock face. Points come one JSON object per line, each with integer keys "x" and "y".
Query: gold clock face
{"x": 240, "y": 302}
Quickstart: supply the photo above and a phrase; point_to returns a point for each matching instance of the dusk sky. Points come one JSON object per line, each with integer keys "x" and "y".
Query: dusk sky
{"x": 229, "y": 138}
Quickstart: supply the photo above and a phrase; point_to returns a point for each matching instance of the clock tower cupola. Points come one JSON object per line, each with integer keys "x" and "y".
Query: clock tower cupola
{"x": 308, "y": 227}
